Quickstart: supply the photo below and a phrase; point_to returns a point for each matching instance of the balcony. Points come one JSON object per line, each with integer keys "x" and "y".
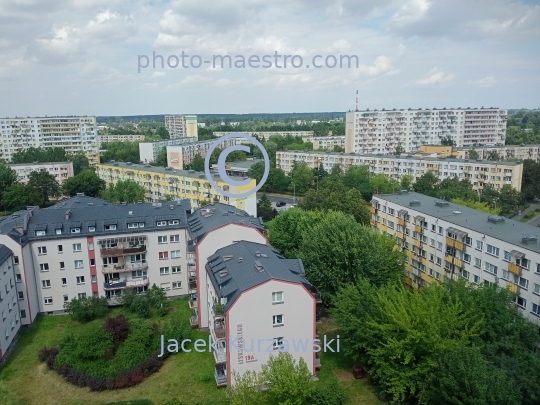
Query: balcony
{"x": 194, "y": 319}
{"x": 192, "y": 286}
{"x": 373, "y": 210}
{"x": 221, "y": 377}
{"x": 119, "y": 267}
{"x": 121, "y": 251}
{"x": 219, "y": 330}
{"x": 193, "y": 301}
{"x": 514, "y": 268}
{"x": 401, "y": 221}
{"x": 126, "y": 283}
{"x": 317, "y": 361}
{"x": 512, "y": 287}
{"x": 418, "y": 229}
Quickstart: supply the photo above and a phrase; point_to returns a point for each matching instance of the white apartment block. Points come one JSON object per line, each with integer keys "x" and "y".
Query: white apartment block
{"x": 74, "y": 134}
{"x": 149, "y": 151}
{"x": 519, "y": 152}
{"x": 383, "y": 131}
{"x": 327, "y": 142}
{"x": 305, "y": 135}
{"x": 10, "y": 321}
{"x": 181, "y": 126}
{"x": 479, "y": 172}
{"x": 119, "y": 138}
{"x": 60, "y": 170}
{"x": 178, "y": 157}
{"x": 443, "y": 239}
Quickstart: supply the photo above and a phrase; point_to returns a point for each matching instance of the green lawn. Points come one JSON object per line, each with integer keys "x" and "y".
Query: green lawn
{"x": 186, "y": 376}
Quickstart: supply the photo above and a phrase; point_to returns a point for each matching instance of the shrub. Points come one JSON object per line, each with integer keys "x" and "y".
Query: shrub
{"x": 48, "y": 352}
{"x": 87, "y": 308}
{"x": 141, "y": 306}
{"x": 118, "y": 327}
{"x": 329, "y": 394}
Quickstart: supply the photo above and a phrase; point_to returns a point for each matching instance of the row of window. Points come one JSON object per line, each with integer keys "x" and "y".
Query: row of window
{"x": 110, "y": 227}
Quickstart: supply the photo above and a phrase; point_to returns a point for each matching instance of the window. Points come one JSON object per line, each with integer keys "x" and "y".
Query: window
{"x": 91, "y": 229}
{"x": 46, "y": 283}
{"x": 174, "y": 222}
{"x": 492, "y": 250}
{"x": 78, "y": 264}
{"x": 44, "y": 266}
{"x": 165, "y": 286}
{"x": 20, "y": 294}
{"x": 277, "y": 320}
{"x": 490, "y": 268}
{"x": 538, "y": 267}
{"x": 476, "y": 279}
{"x": 536, "y": 309}
{"x": 91, "y": 246}
{"x": 439, "y": 261}
{"x": 437, "y": 275}
{"x": 523, "y": 283}
{"x": 479, "y": 245}
{"x": 175, "y": 254}
{"x": 139, "y": 273}
{"x": 64, "y": 282}
{"x": 277, "y": 297}
{"x": 176, "y": 269}
{"x": 48, "y": 301}
{"x": 277, "y": 343}
{"x": 18, "y": 278}
{"x": 161, "y": 223}
{"x": 75, "y": 230}
{"x": 66, "y": 298}
{"x": 138, "y": 258}
{"x": 163, "y": 255}
{"x": 93, "y": 279}
{"x": 477, "y": 262}
{"x": 468, "y": 241}
{"x": 60, "y": 249}
{"x": 432, "y": 242}
{"x": 58, "y": 231}
{"x": 141, "y": 224}
{"x": 430, "y": 272}
{"x": 16, "y": 261}
{"x": 176, "y": 285}
{"x": 23, "y": 313}
{"x": 133, "y": 225}
{"x": 62, "y": 266}
{"x": 507, "y": 256}
{"x": 80, "y": 279}
{"x": 40, "y": 233}
{"x": 111, "y": 227}
{"x": 42, "y": 250}
{"x": 537, "y": 288}
{"x": 77, "y": 247}
{"x": 163, "y": 271}
{"x": 440, "y": 230}
{"x": 162, "y": 239}
{"x": 524, "y": 263}
{"x": 92, "y": 262}
{"x": 439, "y": 246}
{"x": 391, "y": 224}
{"x": 520, "y": 302}
{"x": 465, "y": 274}
{"x": 81, "y": 295}
{"x": 174, "y": 238}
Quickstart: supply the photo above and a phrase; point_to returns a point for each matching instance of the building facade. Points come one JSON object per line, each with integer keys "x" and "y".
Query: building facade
{"x": 327, "y": 142}
{"x": 181, "y": 126}
{"x": 443, "y": 239}
{"x": 518, "y": 152}
{"x": 305, "y": 135}
{"x": 387, "y": 130}
{"x": 60, "y": 170}
{"x": 102, "y": 139}
{"x": 479, "y": 172}
{"x": 73, "y": 134}
{"x": 178, "y": 157}
{"x": 161, "y": 183}
{"x": 148, "y": 151}
{"x": 10, "y": 312}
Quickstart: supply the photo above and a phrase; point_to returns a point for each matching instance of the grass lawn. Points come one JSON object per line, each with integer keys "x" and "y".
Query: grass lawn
{"x": 186, "y": 376}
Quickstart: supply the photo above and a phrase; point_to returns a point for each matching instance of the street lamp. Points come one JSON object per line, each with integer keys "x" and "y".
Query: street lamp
{"x": 294, "y": 193}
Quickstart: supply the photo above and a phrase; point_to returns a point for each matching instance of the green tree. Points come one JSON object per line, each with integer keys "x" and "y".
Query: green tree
{"x": 197, "y": 163}
{"x": 448, "y": 141}
{"x": 87, "y": 308}
{"x": 382, "y": 184}
{"x": 289, "y": 382}
{"x": 8, "y": 177}
{"x": 264, "y": 207}
{"x": 163, "y": 133}
{"x": 19, "y": 196}
{"x": 336, "y": 170}
{"x": 493, "y": 155}
{"x": 80, "y": 163}
{"x": 45, "y": 184}
{"x": 473, "y": 154}
{"x": 277, "y": 180}
{"x": 358, "y": 177}
{"x": 245, "y": 390}
{"x": 477, "y": 205}
{"x": 256, "y": 171}
{"x": 452, "y": 187}
{"x": 489, "y": 195}
{"x": 426, "y": 184}
{"x": 301, "y": 177}
{"x": 42, "y": 155}
{"x": 86, "y": 182}
{"x": 530, "y": 185}
{"x": 161, "y": 159}
{"x": 122, "y": 152}
{"x": 236, "y": 156}
{"x": 406, "y": 181}
{"x": 127, "y": 191}
{"x": 509, "y": 199}
{"x": 399, "y": 150}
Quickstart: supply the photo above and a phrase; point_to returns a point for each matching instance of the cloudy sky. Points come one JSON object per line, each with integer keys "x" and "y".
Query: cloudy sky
{"x": 80, "y": 56}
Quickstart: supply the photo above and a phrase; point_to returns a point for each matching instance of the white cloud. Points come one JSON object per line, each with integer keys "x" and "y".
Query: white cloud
{"x": 488, "y": 81}
{"x": 435, "y": 77}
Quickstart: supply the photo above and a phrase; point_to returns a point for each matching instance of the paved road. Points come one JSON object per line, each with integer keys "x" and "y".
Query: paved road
{"x": 531, "y": 208}
{"x": 276, "y": 198}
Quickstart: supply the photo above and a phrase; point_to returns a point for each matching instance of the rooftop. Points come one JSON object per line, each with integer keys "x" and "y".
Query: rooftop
{"x": 5, "y": 252}
{"x": 509, "y": 231}
{"x": 243, "y": 265}
{"x": 215, "y": 215}
{"x": 39, "y": 163}
{"x": 163, "y": 170}
{"x": 243, "y": 165}
{"x": 532, "y": 145}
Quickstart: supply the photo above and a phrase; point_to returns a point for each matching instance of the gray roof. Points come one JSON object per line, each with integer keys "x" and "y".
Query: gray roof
{"x": 164, "y": 170}
{"x": 10, "y": 222}
{"x": 527, "y": 145}
{"x": 508, "y": 231}
{"x": 245, "y": 164}
{"x": 231, "y": 276}
{"x": 38, "y": 163}
{"x": 215, "y": 215}
{"x": 87, "y": 211}
{"x": 5, "y": 252}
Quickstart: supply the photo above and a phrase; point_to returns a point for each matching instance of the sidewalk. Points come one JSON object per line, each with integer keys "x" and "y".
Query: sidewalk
{"x": 532, "y": 207}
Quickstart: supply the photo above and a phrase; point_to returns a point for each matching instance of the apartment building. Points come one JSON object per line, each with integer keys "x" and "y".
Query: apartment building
{"x": 60, "y": 170}
{"x": 161, "y": 183}
{"x": 102, "y": 139}
{"x": 181, "y": 126}
{"x": 211, "y": 228}
{"x": 10, "y": 323}
{"x": 149, "y": 151}
{"x": 518, "y": 152}
{"x": 74, "y": 134}
{"x": 178, "y": 157}
{"x": 386, "y": 130}
{"x": 305, "y": 135}
{"x": 327, "y": 142}
{"x": 261, "y": 300}
{"x": 443, "y": 239}
{"x": 479, "y": 172}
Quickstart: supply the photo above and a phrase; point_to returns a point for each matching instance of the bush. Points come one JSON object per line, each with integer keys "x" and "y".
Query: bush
{"x": 141, "y": 306}
{"x": 118, "y": 327}
{"x": 87, "y": 308}
{"x": 329, "y": 394}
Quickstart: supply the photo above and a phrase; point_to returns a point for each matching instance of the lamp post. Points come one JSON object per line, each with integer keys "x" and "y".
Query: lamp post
{"x": 294, "y": 194}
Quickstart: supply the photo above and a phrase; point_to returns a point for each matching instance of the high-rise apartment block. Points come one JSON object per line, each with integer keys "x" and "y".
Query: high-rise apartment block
{"x": 443, "y": 239}
{"x": 181, "y": 126}
{"x": 73, "y": 134}
{"x": 149, "y": 151}
{"x": 387, "y": 130}
{"x": 178, "y": 157}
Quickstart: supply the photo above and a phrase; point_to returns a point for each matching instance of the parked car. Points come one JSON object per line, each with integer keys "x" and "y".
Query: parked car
{"x": 281, "y": 204}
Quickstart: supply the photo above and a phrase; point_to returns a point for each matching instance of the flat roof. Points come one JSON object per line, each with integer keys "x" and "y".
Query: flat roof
{"x": 163, "y": 170}
{"x": 245, "y": 164}
{"x": 532, "y": 145}
{"x": 509, "y": 231}
{"x": 39, "y": 163}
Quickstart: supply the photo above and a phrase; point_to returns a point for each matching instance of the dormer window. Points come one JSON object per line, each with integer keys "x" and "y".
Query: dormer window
{"x": 58, "y": 231}
{"x": 141, "y": 224}
{"x": 40, "y": 233}
{"x": 111, "y": 227}
{"x": 75, "y": 230}
{"x": 133, "y": 225}
{"x": 174, "y": 222}
{"x": 161, "y": 223}
{"x": 91, "y": 229}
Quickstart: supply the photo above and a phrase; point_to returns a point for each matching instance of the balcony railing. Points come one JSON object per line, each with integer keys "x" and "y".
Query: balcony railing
{"x": 126, "y": 283}
{"x": 121, "y": 251}
{"x": 220, "y": 355}
{"x": 118, "y": 268}
{"x": 221, "y": 378}
{"x": 219, "y": 330}
{"x": 194, "y": 321}
{"x": 192, "y": 286}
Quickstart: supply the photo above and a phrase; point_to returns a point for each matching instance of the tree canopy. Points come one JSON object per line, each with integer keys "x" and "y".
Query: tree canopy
{"x": 87, "y": 182}
{"x": 127, "y": 191}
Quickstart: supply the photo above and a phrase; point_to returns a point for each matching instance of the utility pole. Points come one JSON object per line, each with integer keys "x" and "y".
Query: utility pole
{"x": 294, "y": 193}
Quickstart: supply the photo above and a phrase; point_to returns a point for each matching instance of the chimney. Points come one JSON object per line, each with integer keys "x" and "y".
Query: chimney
{"x": 68, "y": 214}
